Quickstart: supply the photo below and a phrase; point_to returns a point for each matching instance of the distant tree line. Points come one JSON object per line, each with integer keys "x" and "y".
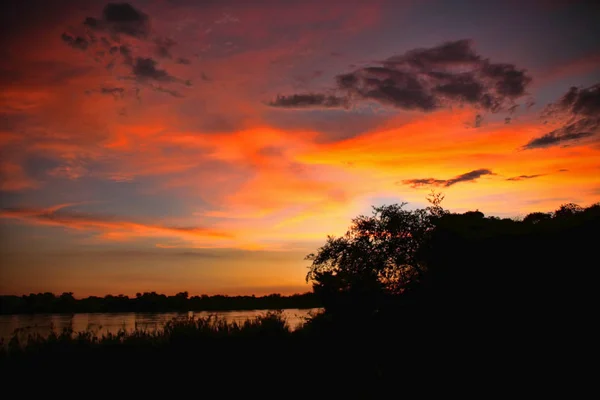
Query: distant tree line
{"x": 150, "y": 302}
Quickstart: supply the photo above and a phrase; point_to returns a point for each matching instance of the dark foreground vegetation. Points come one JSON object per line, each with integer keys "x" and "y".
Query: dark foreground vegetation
{"x": 414, "y": 300}
{"x": 150, "y": 302}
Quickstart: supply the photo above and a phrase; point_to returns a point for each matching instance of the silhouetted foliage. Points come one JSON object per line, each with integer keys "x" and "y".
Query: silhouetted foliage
{"x": 459, "y": 267}
{"x": 536, "y": 217}
{"x": 567, "y": 210}
{"x": 501, "y": 273}
{"x": 376, "y": 259}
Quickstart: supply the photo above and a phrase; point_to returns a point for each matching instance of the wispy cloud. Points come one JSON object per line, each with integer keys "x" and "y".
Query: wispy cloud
{"x": 112, "y": 228}
{"x": 309, "y": 100}
{"x": 524, "y": 177}
{"x": 466, "y": 177}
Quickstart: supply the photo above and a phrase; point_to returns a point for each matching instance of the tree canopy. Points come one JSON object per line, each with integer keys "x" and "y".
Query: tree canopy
{"x": 378, "y": 256}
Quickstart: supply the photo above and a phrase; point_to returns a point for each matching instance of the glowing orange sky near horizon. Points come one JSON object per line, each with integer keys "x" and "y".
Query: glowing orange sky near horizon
{"x": 207, "y": 188}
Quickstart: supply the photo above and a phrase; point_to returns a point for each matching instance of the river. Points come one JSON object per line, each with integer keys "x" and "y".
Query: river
{"x": 113, "y": 322}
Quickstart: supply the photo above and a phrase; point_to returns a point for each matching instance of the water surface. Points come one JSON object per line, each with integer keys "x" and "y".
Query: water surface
{"x": 113, "y": 322}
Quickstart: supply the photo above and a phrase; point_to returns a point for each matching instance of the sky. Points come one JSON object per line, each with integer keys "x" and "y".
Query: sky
{"x": 209, "y": 146}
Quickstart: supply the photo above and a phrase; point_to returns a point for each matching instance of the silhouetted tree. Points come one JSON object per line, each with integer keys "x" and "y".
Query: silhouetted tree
{"x": 536, "y": 217}
{"x": 66, "y": 302}
{"x": 378, "y": 257}
{"x": 567, "y": 210}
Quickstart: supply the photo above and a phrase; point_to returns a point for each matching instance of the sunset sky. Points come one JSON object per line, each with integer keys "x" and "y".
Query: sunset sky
{"x": 209, "y": 146}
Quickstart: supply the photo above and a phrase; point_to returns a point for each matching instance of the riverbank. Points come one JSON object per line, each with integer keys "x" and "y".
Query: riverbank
{"x": 103, "y": 323}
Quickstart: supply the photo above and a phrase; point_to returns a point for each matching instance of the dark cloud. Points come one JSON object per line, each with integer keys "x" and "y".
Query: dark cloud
{"x": 579, "y": 111}
{"x": 469, "y": 176}
{"x": 510, "y": 82}
{"x": 575, "y": 105}
{"x": 121, "y": 18}
{"x": 584, "y": 102}
{"x": 524, "y": 177}
{"x": 388, "y": 86}
{"x": 309, "y": 100}
{"x": 116, "y": 92}
{"x": 78, "y": 42}
{"x": 466, "y": 177}
{"x": 145, "y": 69}
{"x": 555, "y": 138}
{"x": 426, "y": 79}
{"x": 173, "y": 93}
{"x": 449, "y": 53}
{"x": 423, "y": 182}
{"x": 464, "y": 88}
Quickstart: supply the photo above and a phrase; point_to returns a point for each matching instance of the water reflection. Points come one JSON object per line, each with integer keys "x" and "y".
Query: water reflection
{"x": 113, "y": 322}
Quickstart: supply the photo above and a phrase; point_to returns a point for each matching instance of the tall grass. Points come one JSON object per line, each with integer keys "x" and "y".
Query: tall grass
{"x": 209, "y": 351}
{"x": 183, "y": 330}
